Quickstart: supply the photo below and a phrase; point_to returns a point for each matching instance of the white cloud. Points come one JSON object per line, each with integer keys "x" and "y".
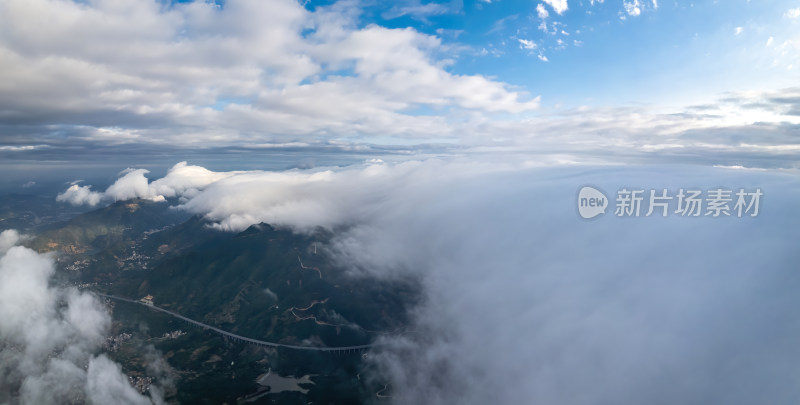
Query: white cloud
{"x": 554, "y": 297}
{"x": 632, "y": 8}
{"x": 239, "y": 201}
{"x": 543, "y": 58}
{"x": 219, "y": 76}
{"x": 80, "y": 195}
{"x": 542, "y": 11}
{"x": 50, "y": 334}
{"x": 8, "y": 238}
{"x": 792, "y": 13}
{"x": 181, "y": 180}
{"x": 131, "y": 185}
{"x": 559, "y": 6}
{"x": 543, "y": 27}
{"x": 770, "y": 41}
{"x": 106, "y": 384}
{"x": 738, "y": 30}
{"x": 527, "y": 44}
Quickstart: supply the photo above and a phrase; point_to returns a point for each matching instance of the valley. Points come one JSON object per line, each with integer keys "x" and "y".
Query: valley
{"x": 216, "y": 310}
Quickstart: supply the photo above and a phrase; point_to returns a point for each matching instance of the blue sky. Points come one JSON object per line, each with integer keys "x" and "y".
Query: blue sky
{"x": 601, "y": 53}
{"x": 555, "y": 81}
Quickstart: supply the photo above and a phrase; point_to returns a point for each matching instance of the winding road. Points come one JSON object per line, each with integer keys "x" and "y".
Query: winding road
{"x": 238, "y": 337}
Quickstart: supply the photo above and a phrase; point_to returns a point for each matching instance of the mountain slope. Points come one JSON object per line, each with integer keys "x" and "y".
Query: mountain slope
{"x": 269, "y": 284}
{"x": 102, "y": 228}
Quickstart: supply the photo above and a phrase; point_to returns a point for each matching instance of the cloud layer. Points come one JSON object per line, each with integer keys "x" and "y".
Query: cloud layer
{"x": 526, "y": 302}
{"x": 144, "y": 79}
{"x": 249, "y": 71}
{"x": 49, "y": 336}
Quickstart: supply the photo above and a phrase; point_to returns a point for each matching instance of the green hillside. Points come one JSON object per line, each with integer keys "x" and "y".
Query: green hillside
{"x": 253, "y": 284}
{"x": 264, "y": 283}
{"x": 102, "y": 228}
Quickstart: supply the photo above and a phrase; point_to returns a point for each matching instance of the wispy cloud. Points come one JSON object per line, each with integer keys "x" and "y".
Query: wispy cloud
{"x": 416, "y": 9}
{"x": 527, "y": 44}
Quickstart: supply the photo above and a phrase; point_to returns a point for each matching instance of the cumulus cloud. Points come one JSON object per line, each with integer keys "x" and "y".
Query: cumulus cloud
{"x": 196, "y": 74}
{"x": 132, "y": 184}
{"x": 635, "y": 8}
{"x": 181, "y": 179}
{"x": 559, "y": 6}
{"x": 80, "y": 195}
{"x": 632, "y": 7}
{"x": 50, "y": 335}
{"x": 542, "y": 11}
{"x": 526, "y": 302}
{"x": 8, "y": 239}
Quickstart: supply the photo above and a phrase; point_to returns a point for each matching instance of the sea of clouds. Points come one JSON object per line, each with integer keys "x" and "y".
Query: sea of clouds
{"x": 524, "y": 301}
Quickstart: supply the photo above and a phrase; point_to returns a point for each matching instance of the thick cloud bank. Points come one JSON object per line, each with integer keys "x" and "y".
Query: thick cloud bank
{"x": 48, "y": 337}
{"x": 525, "y": 302}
